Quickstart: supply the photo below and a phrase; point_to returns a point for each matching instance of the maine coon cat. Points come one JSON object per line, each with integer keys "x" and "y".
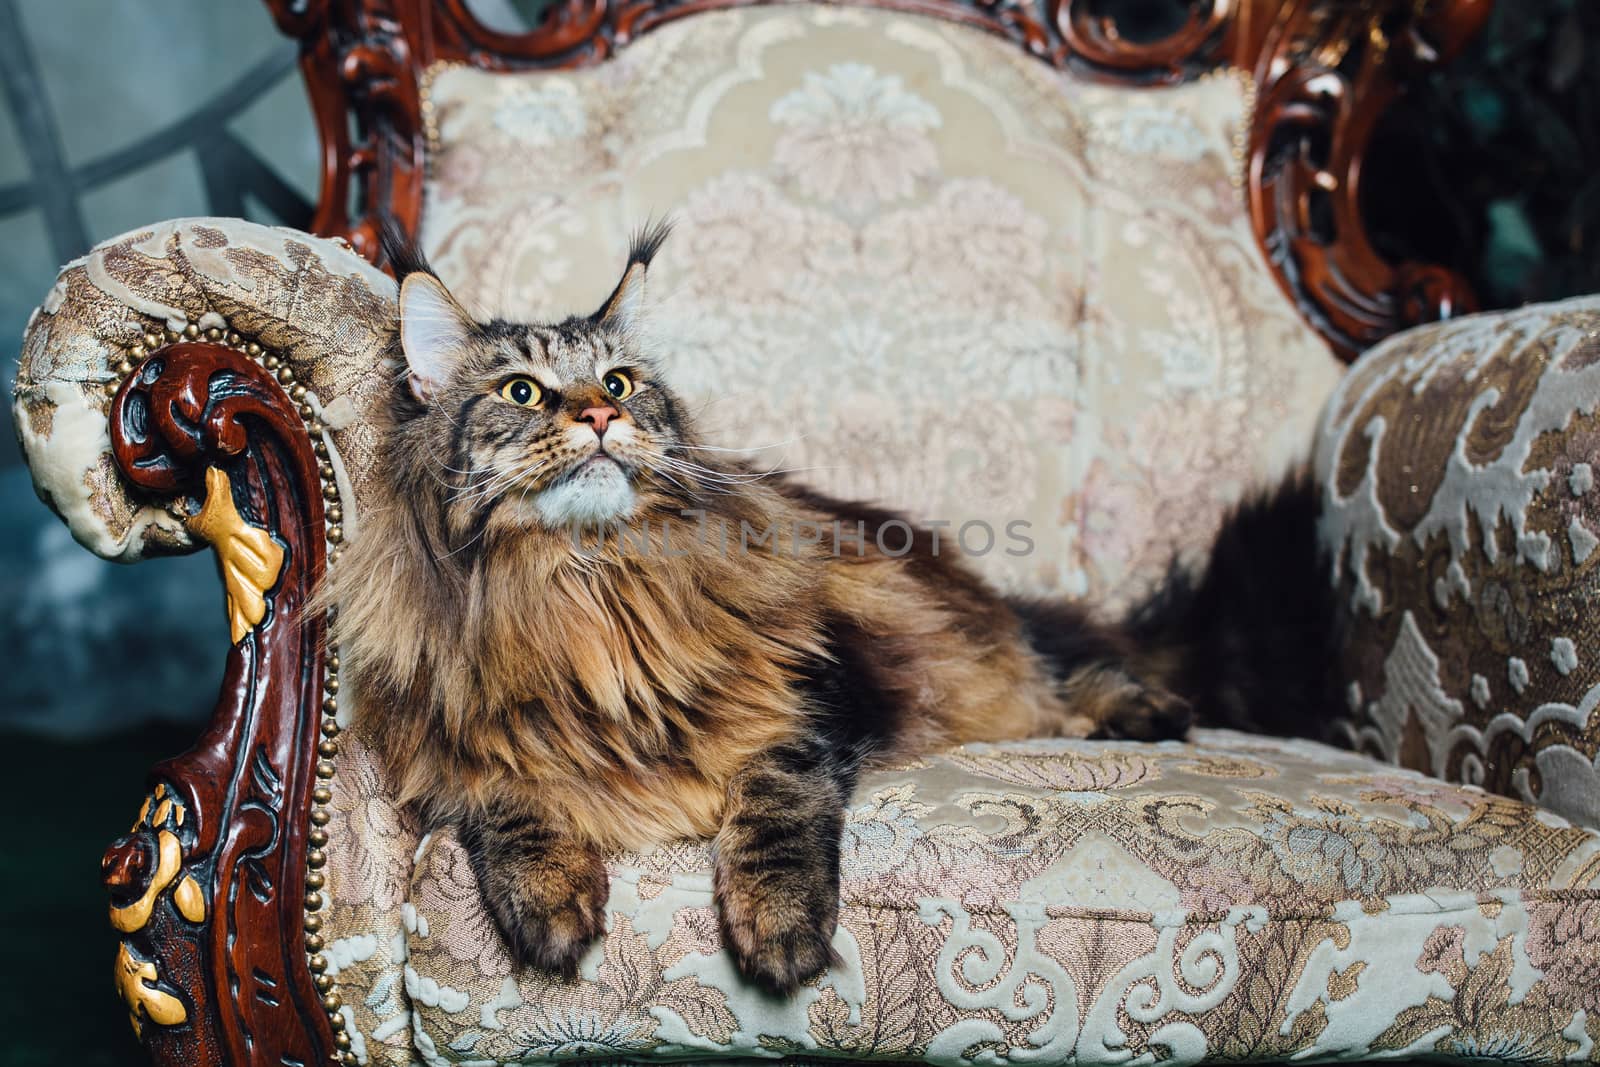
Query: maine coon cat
{"x": 556, "y": 691}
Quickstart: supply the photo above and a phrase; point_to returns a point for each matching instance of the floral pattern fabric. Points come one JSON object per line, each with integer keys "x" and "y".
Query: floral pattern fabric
{"x": 1052, "y": 286}
{"x": 1227, "y": 899}
{"x": 1462, "y": 512}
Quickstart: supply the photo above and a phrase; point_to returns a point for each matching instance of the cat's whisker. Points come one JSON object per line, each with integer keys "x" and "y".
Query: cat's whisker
{"x": 500, "y": 480}
{"x": 669, "y": 477}
{"x": 470, "y": 473}
{"x": 489, "y": 491}
{"x": 710, "y": 484}
{"x": 443, "y": 482}
{"x": 474, "y": 478}
{"x": 514, "y": 475}
{"x": 751, "y": 448}
{"x": 705, "y": 475}
{"x": 655, "y": 462}
{"x": 779, "y": 472}
{"x": 724, "y": 476}
{"x": 699, "y": 407}
{"x": 435, "y": 468}
{"x": 752, "y": 475}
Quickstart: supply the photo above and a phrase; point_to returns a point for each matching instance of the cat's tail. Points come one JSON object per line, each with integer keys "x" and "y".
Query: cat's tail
{"x": 1250, "y": 640}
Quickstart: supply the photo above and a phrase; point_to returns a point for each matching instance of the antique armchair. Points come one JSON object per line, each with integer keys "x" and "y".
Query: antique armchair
{"x": 1153, "y": 252}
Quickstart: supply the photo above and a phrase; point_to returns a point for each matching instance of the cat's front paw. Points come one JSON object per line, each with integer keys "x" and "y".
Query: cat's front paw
{"x": 778, "y": 925}
{"x": 549, "y": 910}
{"x": 1150, "y": 713}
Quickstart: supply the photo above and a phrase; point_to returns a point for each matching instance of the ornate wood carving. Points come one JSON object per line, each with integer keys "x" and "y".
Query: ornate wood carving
{"x": 211, "y": 888}
{"x": 1326, "y": 69}
{"x": 1325, "y": 73}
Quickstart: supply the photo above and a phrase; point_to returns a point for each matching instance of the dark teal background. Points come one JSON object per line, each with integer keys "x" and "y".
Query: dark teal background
{"x": 120, "y": 113}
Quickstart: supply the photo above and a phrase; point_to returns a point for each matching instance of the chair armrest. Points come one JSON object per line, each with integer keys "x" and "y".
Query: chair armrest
{"x": 1462, "y": 514}
{"x": 326, "y": 312}
{"x": 203, "y": 382}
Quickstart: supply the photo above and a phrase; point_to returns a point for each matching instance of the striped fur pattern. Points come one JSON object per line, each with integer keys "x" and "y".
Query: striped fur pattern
{"x": 552, "y": 659}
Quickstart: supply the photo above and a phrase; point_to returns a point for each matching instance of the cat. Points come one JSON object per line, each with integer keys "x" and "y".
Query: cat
{"x": 556, "y": 691}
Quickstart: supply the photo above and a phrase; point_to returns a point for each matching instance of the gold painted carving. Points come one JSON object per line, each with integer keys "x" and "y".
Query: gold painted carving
{"x": 169, "y": 861}
{"x": 191, "y": 904}
{"x": 145, "y": 1001}
{"x": 135, "y": 977}
{"x": 247, "y": 555}
{"x": 131, "y": 917}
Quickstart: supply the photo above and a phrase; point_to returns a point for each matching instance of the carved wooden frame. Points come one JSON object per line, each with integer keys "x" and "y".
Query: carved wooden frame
{"x": 1325, "y": 72}
{"x": 217, "y": 889}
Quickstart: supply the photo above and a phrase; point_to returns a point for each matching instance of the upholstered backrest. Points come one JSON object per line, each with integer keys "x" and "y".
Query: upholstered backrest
{"x": 933, "y": 271}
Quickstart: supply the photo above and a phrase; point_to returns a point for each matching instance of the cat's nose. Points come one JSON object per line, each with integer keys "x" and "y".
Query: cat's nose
{"x": 597, "y": 417}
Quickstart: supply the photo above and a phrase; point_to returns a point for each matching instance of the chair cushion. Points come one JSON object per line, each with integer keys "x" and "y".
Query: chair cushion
{"x": 1463, "y": 515}
{"x": 955, "y": 280}
{"x": 1229, "y": 898}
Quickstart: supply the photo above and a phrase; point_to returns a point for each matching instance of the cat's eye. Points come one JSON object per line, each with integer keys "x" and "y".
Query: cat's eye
{"x": 522, "y": 391}
{"x": 618, "y": 384}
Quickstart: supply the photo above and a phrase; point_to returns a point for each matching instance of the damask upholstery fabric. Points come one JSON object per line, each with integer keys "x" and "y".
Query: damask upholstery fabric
{"x": 1052, "y": 286}
{"x": 1227, "y": 899}
{"x": 1463, "y": 514}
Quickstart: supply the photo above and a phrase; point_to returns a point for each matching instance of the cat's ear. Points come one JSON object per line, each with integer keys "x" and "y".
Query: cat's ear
{"x": 622, "y": 308}
{"x": 434, "y": 332}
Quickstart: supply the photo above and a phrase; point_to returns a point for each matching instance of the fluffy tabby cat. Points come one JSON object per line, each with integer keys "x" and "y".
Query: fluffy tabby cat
{"x": 556, "y": 695}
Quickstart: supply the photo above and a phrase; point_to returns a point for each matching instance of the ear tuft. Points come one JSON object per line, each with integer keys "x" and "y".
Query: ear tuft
{"x": 621, "y": 309}
{"x": 402, "y": 254}
{"x": 434, "y": 331}
{"x": 648, "y": 239}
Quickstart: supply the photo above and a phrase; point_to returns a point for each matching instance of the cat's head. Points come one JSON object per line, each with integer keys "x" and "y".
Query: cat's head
{"x": 565, "y": 425}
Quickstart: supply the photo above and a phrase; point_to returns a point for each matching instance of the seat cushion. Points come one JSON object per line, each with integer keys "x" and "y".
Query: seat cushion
{"x": 1229, "y": 898}
{"x": 935, "y": 272}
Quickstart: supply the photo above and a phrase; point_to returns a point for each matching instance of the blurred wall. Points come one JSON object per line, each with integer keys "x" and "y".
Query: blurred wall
{"x": 1492, "y": 164}
{"x": 115, "y": 115}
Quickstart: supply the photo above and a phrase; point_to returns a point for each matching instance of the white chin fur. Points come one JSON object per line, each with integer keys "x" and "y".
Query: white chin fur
{"x": 597, "y": 494}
